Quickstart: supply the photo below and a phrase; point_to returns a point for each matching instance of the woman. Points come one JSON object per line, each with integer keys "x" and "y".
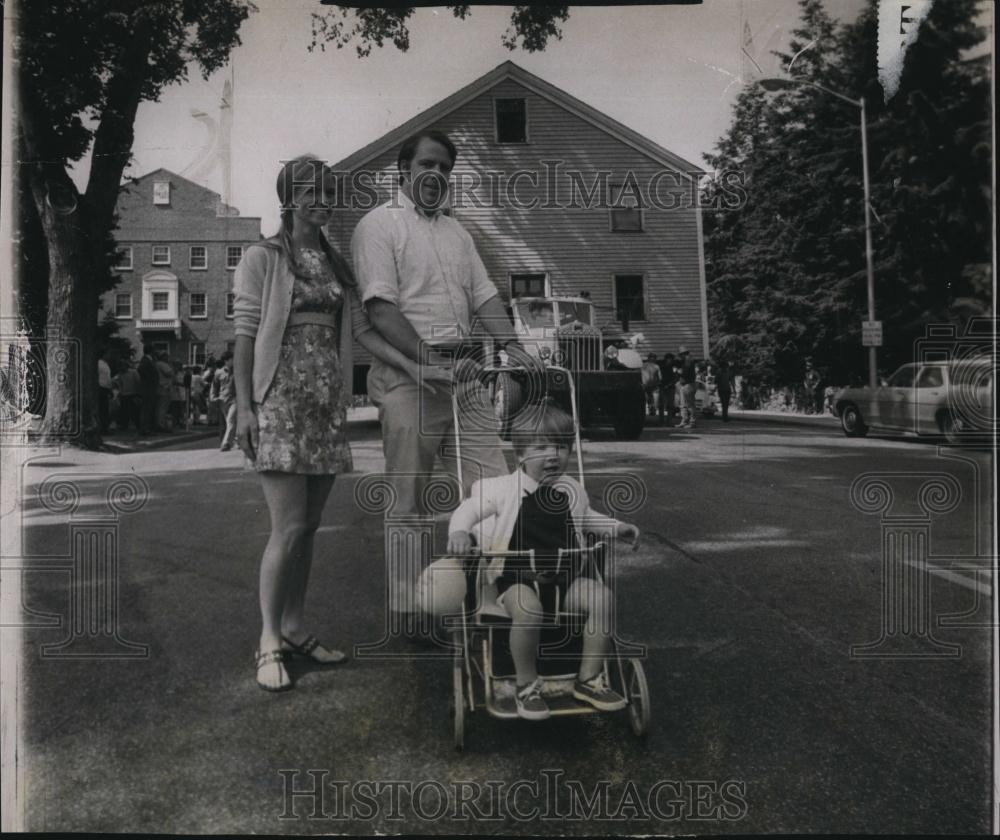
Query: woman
{"x": 296, "y": 309}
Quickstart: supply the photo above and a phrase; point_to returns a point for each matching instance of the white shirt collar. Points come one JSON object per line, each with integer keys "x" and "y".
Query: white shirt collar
{"x": 526, "y": 482}
{"x": 409, "y": 204}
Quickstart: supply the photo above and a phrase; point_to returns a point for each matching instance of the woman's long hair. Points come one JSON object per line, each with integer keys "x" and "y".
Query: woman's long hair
{"x": 299, "y": 172}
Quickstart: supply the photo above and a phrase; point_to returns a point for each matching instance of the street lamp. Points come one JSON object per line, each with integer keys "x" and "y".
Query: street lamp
{"x": 784, "y": 84}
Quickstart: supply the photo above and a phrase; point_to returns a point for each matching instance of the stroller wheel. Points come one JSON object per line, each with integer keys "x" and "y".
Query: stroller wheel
{"x": 638, "y": 696}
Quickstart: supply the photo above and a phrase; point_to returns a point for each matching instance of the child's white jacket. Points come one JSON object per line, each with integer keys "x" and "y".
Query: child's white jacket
{"x": 491, "y": 511}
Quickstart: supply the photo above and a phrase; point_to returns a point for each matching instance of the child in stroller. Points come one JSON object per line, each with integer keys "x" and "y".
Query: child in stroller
{"x": 539, "y": 508}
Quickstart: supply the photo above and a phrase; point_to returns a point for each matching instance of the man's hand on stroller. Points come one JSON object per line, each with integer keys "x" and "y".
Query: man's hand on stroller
{"x": 460, "y": 543}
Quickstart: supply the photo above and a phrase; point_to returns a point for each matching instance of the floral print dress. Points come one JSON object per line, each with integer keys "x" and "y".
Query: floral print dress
{"x": 302, "y": 420}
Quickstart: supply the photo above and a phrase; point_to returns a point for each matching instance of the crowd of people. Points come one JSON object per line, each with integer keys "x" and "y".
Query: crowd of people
{"x": 157, "y": 395}
{"x": 671, "y": 384}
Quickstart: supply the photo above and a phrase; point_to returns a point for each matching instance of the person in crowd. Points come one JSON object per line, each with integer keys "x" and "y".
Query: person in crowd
{"x": 179, "y": 401}
{"x": 227, "y": 401}
{"x": 104, "y": 390}
{"x": 196, "y": 389}
{"x": 668, "y": 389}
{"x": 207, "y": 377}
{"x": 296, "y": 316}
{"x": 687, "y": 377}
{"x": 812, "y": 393}
{"x": 540, "y": 508}
{"x": 149, "y": 378}
{"x": 424, "y": 286}
{"x": 723, "y": 385}
{"x": 129, "y": 387}
{"x": 164, "y": 392}
{"x": 219, "y": 380}
{"x": 651, "y": 383}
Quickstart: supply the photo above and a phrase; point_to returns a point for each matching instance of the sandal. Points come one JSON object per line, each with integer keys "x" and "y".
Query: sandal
{"x": 309, "y": 645}
{"x": 264, "y": 659}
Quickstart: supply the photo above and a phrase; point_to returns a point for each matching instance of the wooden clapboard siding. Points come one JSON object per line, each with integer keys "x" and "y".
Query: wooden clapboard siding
{"x": 574, "y": 245}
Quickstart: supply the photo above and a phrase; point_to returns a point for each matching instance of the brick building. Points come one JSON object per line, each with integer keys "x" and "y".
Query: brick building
{"x": 178, "y": 247}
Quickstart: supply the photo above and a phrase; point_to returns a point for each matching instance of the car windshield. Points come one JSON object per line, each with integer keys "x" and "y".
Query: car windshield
{"x": 902, "y": 378}
{"x": 536, "y": 314}
{"x": 930, "y": 377}
{"x": 569, "y": 312}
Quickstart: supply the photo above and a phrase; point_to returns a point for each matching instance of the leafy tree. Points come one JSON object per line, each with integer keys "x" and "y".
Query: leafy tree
{"x": 531, "y": 26}
{"x": 84, "y": 66}
{"x": 786, "y": 270}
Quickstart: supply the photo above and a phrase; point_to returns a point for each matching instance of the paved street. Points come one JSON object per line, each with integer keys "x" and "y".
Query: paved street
{"x": 755, "y": 577}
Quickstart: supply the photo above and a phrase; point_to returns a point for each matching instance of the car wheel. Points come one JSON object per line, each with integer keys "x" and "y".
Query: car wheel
{"x": 951, "y": 428}
{"x": 851, "y": 422}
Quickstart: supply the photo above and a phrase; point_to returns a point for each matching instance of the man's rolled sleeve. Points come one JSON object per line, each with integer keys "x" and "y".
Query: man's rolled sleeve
{"x": 374, "y": 261}
{"x": 482, "y": 288}
{"x": 248, "y": 285}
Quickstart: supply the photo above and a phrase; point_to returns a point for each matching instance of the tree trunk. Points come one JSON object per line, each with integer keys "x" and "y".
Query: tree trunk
{"x": 71, "y": 327}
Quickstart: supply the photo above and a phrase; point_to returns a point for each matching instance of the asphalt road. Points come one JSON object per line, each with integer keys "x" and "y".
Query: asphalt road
{"x": 756, "y": 576}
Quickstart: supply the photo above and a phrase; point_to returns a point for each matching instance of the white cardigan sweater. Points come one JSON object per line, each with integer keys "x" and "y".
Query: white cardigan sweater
{"x": 491, "y": 511}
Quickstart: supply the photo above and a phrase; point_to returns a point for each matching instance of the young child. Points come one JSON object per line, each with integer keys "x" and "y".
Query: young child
{"x": 540, "y": 507}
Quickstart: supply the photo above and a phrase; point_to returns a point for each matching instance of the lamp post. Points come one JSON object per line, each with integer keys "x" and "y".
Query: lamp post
{"x": 784, "y": 84}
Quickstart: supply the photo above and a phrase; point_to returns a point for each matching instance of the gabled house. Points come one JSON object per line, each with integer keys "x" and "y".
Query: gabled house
{"x": 178, "y": 248}
{"x": 560, "y": 199}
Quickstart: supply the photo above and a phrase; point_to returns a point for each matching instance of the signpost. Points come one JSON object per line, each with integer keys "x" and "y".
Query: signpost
{"x": 871, "y": 333}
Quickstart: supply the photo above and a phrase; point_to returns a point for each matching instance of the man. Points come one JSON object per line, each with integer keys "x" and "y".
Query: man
{"x": 813, "y": 401}
{"x": 668, "y": 386}
{"x": 165, "y": 392}
{"x": 129, "y": 397}
{"x": 424, "y": 287}
{"x": 149, "y": 380}
{"x": 687, "y": 374}
{"x": 651, "y": 382}
{"x": 723, "y": 385}
{"x": 104, "y": 394}
{"x": 227, "y": 402}
{"x": 220, "y": 381}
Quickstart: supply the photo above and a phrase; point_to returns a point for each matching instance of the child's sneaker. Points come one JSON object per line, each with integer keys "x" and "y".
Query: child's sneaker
{"x": 530, "y": 704}
{"x": 598, "y": 694}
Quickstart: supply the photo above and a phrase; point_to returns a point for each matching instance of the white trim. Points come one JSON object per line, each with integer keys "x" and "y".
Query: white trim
{"x": 191, "y": 314}
{"x": 546, "y": 285}
{"x": 204, "y": 352}
{"x": 704, "y": 287}
{"x": 510, "y": 71}
{"x": 645, "y": 295}
{"x": 612, "y": 208}
{"x": 152, "y": 257}
{"x": 496, "y": 125}
{"x": 131, "y": 258}
{"x": 242, "y": 251}
{"x": 192, "y": 267}
{"x": 115, "y": 306}
{"x": 230, "y": 310}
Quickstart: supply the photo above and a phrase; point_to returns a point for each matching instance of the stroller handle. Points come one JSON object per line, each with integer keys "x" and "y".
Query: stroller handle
{"x": 487, "y": 372}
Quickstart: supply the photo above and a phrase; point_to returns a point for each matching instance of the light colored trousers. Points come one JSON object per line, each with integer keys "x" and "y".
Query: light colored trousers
{"x": 418, "y": 430}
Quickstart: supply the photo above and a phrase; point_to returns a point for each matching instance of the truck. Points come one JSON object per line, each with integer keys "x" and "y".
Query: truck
{"x": 562, "y": 332}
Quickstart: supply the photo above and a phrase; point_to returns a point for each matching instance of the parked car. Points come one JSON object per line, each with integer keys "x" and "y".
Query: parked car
{"x": 949, "y": 398}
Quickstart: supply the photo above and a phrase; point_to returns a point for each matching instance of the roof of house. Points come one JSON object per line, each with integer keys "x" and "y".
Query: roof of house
{"x": 174, "y": 175}
{"x": 510, "y": 71}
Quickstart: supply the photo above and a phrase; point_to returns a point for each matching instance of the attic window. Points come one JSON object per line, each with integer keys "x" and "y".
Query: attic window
{"x": 161, "y": 192}
{"x": 511, "y": 120}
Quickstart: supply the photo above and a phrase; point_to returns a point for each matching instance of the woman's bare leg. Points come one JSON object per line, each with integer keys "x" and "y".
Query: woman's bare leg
{"x": 318, "y": 489}
{"x": 286, "y": 496}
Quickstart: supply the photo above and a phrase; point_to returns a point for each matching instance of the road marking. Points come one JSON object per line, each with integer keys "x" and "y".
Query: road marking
{"x": 954, "y": 577}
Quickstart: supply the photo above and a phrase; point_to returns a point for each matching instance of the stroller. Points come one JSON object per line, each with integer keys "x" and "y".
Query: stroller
{"x": 482, "y": 666}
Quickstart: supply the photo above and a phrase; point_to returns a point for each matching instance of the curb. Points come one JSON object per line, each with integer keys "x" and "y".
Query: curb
{"x": 821, "y": 421}
{"x": 160, "y": 442}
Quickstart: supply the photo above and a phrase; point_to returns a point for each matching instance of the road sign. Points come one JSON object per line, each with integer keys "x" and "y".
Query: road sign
{"x": 871, "y": 333}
